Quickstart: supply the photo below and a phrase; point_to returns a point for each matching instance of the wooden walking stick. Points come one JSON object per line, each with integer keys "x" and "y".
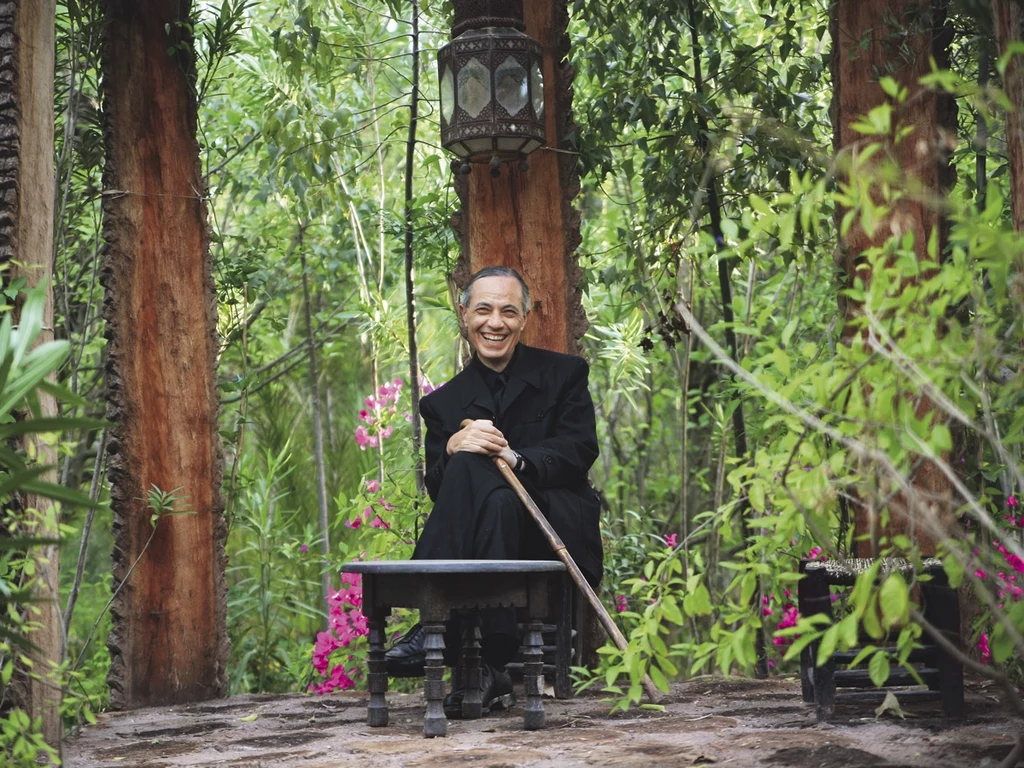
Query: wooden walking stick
{"x": 610, "y": 627}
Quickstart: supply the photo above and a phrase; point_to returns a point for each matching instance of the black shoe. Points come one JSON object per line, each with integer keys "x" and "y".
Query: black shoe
{"x": 496, "y": 688}
{"x": 407, "y": 657}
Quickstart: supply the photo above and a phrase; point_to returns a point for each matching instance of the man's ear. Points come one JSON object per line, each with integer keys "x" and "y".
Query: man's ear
{"x": 460, "y": 313}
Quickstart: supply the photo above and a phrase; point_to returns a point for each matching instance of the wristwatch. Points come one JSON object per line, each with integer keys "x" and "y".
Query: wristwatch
{"x": 520, "y": 461}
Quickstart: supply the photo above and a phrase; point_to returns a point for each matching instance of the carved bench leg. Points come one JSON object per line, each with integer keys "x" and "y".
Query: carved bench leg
{"x": 434, "y": 721}
{"x": 533, "y": 678}
{"x": 472, "y": 702}
{"x": 942, "y": 609}
{"x": 815, "y": 598}
{"x": 377, "y": 679}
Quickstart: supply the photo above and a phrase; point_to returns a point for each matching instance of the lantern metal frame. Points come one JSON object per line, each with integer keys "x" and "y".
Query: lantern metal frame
{"x": 493, "y": 133}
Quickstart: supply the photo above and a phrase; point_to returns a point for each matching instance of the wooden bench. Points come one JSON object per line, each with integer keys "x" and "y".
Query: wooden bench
{"x": 439, "y": 587}
{"x": 940, "y": 672}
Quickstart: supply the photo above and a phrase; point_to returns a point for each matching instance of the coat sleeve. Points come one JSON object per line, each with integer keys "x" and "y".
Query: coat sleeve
{"x": 436, "y": 447}
{"x": 564, "y": 458}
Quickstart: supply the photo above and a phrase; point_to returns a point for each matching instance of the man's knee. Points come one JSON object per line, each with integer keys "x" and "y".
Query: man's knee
{"x": 464, "y": 464}
{"x": 504, "y": 503}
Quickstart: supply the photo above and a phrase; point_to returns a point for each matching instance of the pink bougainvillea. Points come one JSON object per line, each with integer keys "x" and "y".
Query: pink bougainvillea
{"x": 377, "y": 410}
{"x": 983, "y": 649}
{"x": 671, "y": 540}
{"x": 346, "y": 624}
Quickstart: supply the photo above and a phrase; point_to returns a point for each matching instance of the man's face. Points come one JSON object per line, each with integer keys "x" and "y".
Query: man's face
{"x": 494, "y": 319}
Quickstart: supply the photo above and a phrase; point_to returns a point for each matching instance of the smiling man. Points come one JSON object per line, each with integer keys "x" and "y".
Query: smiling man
{"x": 532, "y": 407}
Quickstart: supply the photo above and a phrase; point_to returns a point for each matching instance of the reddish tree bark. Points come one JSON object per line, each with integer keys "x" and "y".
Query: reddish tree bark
{"x": 168, "y": 642}
{"x": 872, "y": 38}
{"x": 1008, "y": 23}
{"x": 26, "y": 245}
{"x": 526, "y": 219}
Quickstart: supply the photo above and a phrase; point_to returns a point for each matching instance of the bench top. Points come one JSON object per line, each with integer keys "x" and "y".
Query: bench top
{"x": 427, "y": 567}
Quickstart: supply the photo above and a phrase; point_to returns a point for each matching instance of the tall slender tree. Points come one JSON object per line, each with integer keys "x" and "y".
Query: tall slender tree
{"x": 168, "y": 642}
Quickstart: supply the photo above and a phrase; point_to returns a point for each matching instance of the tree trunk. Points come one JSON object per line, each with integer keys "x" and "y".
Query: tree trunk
{"x": 1008, "y": 23}
{"x": 26, "y": 244}
{"x": 526, "y": 219}
{"x": 896, "y": 37}
{"x": 168, "y": 642}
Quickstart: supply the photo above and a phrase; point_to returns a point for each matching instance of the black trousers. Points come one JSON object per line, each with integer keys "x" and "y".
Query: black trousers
{"x": 477, "y": 516}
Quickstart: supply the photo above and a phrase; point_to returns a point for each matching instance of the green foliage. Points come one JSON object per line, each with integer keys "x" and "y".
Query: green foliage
{"x": 302, "y": 114}
{"x": 273, "y": 580}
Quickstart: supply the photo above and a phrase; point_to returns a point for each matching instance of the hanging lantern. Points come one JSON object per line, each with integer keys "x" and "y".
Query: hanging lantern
{"x": 492, "y": 89}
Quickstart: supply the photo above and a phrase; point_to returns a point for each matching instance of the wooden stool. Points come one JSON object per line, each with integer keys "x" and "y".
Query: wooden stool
{"x": 942, "y": 674}
{"x": 439, "y": 587}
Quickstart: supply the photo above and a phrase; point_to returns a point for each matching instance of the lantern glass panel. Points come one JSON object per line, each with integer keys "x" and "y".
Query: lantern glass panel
{"x": 510, "y": 85}
{"x": 537, "y": 89}
{"x": 447, "y": 94}
{"x": 479, "y": 146}
{"x": 474, "y": 87}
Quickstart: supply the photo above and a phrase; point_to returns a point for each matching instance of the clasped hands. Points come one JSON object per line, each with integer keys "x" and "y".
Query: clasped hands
{"x": 481, "y": 436}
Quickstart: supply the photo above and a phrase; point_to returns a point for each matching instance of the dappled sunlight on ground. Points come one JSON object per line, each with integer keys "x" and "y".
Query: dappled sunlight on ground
{"x": 705, "y": 722}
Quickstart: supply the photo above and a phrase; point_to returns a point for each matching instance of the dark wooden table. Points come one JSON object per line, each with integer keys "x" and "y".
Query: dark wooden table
{"x": 439, "y": 587}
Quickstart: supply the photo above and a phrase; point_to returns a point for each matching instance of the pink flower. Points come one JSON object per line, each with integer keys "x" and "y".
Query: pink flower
{"x": 1011, "y": 502}
{"x": 355, "y": 522}
{"x": 387, "y": 431}
{"x": 671, "y": 540}
{"x": 816, "y": 553}
{"x": 378, "y": 523}
{"x": 425, "y": 386}
{"x": 372, "y": 486}
{"x": 981, "y": 574}
{"x": 621, "y": 603}
{"x": 303, "y": 548}
{"x": 986, "y": 652}
{"x": 383, "y": 503}
{"x": 364, "y": 439}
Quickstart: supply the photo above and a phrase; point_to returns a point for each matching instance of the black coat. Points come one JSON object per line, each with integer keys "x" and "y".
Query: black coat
{"x": 548, "y": 417}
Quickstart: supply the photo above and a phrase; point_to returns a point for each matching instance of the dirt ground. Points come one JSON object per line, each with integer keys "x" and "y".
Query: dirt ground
{"x": 705, "y": 723}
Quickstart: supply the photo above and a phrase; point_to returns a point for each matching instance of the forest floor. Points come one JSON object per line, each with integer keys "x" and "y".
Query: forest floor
{"x": 710, "y": 722}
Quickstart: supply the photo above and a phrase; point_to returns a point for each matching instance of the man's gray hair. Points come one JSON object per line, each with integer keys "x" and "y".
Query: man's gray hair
{"x": 497, "y": 272}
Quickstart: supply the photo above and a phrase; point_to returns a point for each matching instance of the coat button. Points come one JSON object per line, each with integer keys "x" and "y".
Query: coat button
{"x": 548, "y": 460}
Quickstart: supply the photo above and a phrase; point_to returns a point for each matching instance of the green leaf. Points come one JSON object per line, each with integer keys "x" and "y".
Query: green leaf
{"x": 670, "y": 610}
{"x": 828, "y": 644}
{"x": 870, "y": 621}
{"x": 658, "y": 678}
{"x": 894, "y": 600}
{"x": 878, "y": 669}
{"x": 698, "y": 602}
{"x": 1001, "y": 644}
{"x": 942, "y": 439}
{"x": 848, "y": 631}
